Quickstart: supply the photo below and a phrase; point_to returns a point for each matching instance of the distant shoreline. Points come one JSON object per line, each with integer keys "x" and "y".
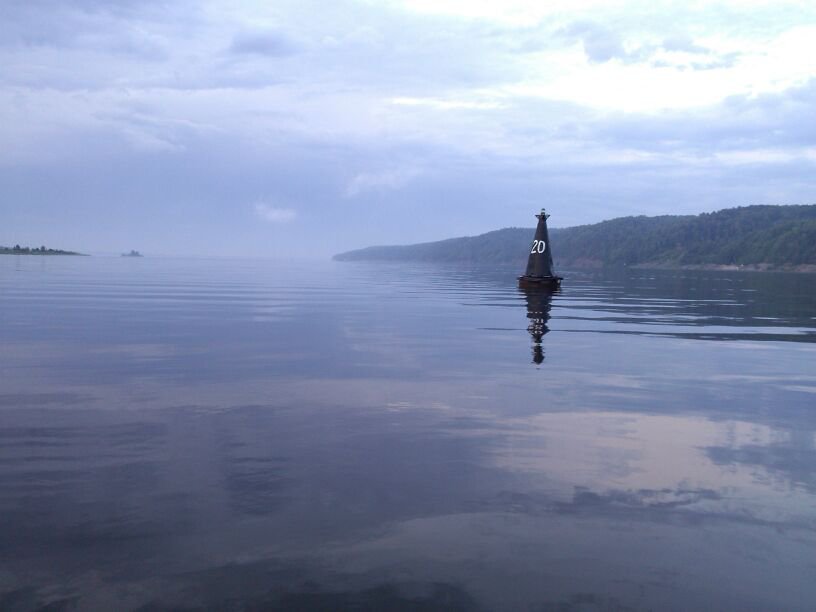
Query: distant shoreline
{"x": 760, "y": 267}
{"x": 749, "y": 238}
{"x": 586, "y": 264}
{"x": 42, "y": 251}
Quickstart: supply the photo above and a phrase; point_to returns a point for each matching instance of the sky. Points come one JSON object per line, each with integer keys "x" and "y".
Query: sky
{"x": 305, "y": 128}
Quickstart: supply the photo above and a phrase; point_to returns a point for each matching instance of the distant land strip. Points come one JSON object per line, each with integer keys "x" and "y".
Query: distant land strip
{"x": 761, "y": 237}
{"x": 18, "y": 250}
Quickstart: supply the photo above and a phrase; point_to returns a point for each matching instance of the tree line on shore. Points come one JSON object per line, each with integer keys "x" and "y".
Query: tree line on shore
{"x": 749, "y": 235}
{"x": 20, "y": 250}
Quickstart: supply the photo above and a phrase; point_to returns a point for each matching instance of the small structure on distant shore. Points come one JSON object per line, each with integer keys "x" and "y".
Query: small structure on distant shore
{"x": 539, "y": 272}
{"x": 132, "y": 254}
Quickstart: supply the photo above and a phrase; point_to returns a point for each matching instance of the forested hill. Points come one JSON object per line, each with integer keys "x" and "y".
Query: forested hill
{"x": 775, "y": 235}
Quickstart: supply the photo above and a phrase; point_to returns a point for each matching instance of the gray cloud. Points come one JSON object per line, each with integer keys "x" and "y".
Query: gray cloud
{"x": 685, "y": 44}
{"x": 162, "y": 124}
{"x": 777, "y": 121}
{"x": 262, "y": 42}
{"x": 600, "y": 44}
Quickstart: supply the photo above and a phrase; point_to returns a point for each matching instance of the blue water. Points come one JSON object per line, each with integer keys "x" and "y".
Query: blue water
{"x": 236, "y": 434}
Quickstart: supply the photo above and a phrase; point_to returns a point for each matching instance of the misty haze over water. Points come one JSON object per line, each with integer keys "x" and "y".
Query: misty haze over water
{"x": 210, "y": 434}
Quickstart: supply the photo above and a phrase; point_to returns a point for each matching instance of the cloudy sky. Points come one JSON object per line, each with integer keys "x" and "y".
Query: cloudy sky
{"x": 277, "y": 128}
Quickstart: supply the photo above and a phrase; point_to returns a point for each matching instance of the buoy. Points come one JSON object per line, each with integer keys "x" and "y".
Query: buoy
{"x": 540, "y": 264}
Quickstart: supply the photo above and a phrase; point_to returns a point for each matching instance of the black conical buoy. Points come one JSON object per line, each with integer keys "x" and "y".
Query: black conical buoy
{"x": 540, "y": 264}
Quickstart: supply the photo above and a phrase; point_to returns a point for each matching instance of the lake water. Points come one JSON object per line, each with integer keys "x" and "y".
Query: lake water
{"x": 234, "y": 434}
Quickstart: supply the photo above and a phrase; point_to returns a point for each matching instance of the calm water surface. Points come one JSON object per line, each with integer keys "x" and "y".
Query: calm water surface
{"x": 239, "y": 434}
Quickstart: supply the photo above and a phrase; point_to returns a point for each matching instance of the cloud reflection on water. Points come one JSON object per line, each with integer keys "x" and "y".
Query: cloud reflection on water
{"x": 389, "y": 441}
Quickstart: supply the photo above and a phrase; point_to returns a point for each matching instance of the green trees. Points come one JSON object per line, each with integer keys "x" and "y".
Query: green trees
{"x": 20, "y": 250}
{"x": 779, "y": 235}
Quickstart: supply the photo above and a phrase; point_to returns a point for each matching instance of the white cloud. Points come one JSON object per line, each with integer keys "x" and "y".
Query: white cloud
{"x": 515, "y": 12}
{"x": 446, "y": 104}
{"x": 380, "y": 181}
{"x": 274, "y": 215}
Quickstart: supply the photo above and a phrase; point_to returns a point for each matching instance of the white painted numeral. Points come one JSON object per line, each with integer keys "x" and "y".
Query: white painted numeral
{"x": 538, "y": 246}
